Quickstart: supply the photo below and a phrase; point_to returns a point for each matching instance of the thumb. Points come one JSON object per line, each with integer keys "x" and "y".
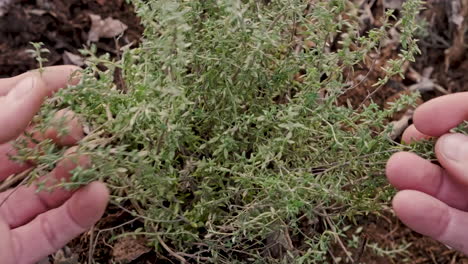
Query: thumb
{"x": 452, "y": 153}
{"x": 19, "y": 106}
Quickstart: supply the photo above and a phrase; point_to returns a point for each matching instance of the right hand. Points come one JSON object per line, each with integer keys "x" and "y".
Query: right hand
{"x": 433, "y": 199}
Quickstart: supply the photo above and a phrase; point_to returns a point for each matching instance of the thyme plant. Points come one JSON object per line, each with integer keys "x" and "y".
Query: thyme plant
{"x": 218, "y": 147}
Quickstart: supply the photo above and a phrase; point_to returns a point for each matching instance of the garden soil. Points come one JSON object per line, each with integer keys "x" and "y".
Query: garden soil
{"x": 64, "y": 27}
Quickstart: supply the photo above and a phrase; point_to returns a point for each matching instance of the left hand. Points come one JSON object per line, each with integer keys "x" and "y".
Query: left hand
{"x": 36, "y": 224}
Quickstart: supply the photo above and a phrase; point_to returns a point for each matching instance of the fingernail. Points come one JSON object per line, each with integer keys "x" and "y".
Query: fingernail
{"x": 455, "y": 147}
{"x": 22, "y": 89}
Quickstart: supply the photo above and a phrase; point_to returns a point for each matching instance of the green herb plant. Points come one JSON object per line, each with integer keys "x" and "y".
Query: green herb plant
{"x": 37, "y": 53}
{"x": 217, "y": 148}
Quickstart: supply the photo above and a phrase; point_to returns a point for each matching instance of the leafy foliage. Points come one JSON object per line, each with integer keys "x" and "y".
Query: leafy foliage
{"x": 215, "y": 143}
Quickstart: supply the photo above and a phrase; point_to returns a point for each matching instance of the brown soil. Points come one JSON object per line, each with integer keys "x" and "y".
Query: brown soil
{"x": 389, "y": 234}
{"x": 64, "y": 26}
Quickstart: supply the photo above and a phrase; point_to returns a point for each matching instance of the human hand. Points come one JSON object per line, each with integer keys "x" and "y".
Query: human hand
{"x": 433, "y": 199}
{"x": 34, "y": 225}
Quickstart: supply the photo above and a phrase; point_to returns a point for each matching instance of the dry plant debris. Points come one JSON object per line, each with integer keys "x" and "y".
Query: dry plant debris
{"x": 105, "y": 28}
{"x": 128, "y": 249}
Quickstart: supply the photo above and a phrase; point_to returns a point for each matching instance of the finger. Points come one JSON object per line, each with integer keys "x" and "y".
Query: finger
{"x": 6, "y": 247}
{"x": 452, "y": 152}
{"x": 19, "y": 107}
{"x": 53, "y": 229}
{"x": 65, "y": 119}
{"x": 55, "y": 78}
{"x": 69, "y": 122}
{"x": 431, "y": 217}
{"x": 441, "y": 114}
{"x": 408, "y": 171}
{"x": 412, "y": 134}
{"x": 9, "y": 167}
{"x": 24, "y": 203}
{"x": 26, "y": 95}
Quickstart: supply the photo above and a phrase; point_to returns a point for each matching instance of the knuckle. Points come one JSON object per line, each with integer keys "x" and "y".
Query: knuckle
{"x": 443, "y": 224}
{"x": 49, "y": 232}
{"x": 7, "y": 213}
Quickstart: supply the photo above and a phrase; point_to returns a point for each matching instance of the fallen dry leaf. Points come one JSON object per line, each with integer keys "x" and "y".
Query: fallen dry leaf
{"x": 393, "y": 4}
{"x": 400, "y": 125}
{"x": 279, "y": 243}
{"x": 128, "y": 249}
{"x": 37, "y": 12}
{"x": 455, "y": 53}
{"x": 70, "y": 58}
{"x": 394, "y": 38}
{"x": 457, "y": 16}
{"x": 427, "y": 85}
{"x": 65, "y": 256}
{"x": 4, "y": 4}
{"x": 424, "y": 83}
{"x": 107, "y": 28}
{"x": 366, "y": 18}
